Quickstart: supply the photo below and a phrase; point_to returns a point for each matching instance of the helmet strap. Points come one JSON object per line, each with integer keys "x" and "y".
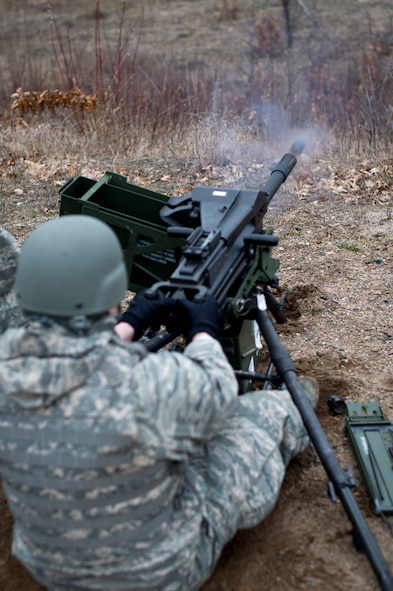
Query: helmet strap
{"x": 80, "y": 323}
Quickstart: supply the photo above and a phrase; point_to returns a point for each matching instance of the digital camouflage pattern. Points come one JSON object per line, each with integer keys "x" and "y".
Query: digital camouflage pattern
{"x": 10, "y": 314}
{"x": 127, "y": 470}
{"x": 9, "y": 252}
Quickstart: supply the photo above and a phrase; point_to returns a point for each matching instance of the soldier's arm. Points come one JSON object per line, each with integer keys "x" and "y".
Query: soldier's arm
{"x": 183, "y": 399}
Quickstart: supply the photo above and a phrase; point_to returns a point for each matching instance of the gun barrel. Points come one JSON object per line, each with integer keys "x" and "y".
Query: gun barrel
{"x": 279, "y": 175}
{"x": 283, "y": 169}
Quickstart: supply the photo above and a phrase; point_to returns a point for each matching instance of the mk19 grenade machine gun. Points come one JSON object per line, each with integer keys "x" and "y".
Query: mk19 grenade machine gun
{"x": 212, "y": 242}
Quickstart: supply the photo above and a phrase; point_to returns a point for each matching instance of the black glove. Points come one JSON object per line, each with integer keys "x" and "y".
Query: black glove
{"x": 144, "y": 312}
{"x": 204, "y": 316}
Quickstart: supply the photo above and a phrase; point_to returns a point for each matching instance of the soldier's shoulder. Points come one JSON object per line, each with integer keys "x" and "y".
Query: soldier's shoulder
{"x": 10, "y": 313}
{"x": 9, "y": 252}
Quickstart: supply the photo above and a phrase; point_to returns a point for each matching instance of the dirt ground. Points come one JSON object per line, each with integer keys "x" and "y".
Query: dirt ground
{"x": 335, "y": 228}
{"x": 336, "y": 252}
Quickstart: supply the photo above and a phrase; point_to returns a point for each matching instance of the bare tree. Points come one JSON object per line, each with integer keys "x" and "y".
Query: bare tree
{"x": 287, "y": 17}
{"x": 288, "y": 24}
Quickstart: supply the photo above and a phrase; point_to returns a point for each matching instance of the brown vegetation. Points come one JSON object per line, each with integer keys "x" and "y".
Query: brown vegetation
{"x": 181, "y": 93}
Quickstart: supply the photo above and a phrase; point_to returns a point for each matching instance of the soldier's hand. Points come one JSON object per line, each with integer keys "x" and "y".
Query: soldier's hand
{"x": 202, "y": 316}
{"x": 145, "y": 311}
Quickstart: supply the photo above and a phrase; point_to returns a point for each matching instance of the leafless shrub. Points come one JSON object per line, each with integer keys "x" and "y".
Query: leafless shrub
{"x": 118, "y": 91}
{"x": 229, "y": 10}
{"x": 268, "y": 36}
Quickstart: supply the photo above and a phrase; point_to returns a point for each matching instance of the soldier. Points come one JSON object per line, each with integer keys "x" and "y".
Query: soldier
{"x": 126, "y": 469}
{"x": 10, "y": 313}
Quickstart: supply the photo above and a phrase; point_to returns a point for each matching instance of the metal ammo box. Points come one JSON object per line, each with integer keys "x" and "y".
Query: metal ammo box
{"x": 134, "y": 215}
{"x": 370, "y": 435}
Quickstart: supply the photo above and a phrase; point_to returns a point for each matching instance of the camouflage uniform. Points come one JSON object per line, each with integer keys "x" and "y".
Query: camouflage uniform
{"x": 127, "y": 470}
{"x": 10, "y": 314}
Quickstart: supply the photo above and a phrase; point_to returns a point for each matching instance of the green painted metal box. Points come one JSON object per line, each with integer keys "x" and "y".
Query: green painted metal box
{"x": 370, "y": 434}
{"x": 133, "y": 213}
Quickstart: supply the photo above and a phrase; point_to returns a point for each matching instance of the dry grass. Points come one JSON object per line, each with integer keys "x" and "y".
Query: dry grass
{"x": 185, "y": 88}
{"x": 194, "y": 92}
{"x": 191, "y": 82}
{"x": 155, "y": 69}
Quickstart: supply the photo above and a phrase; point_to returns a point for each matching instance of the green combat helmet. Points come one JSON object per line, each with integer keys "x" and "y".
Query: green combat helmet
{"x": 9, "y": 250}
{"x": 71, "y": 267}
